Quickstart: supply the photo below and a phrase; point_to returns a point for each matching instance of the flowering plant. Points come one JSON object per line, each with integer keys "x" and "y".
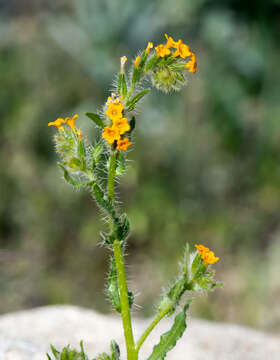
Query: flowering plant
{"x": 84, "y": 165}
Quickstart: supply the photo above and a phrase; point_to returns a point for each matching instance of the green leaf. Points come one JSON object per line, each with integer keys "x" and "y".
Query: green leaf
{"x": 172, "y": 298}
{"x": 113, "y": 287}
{"x": 169, "y": 339}
{"x": 115, "y": 350}
{"x": 132, "y": 124}
{"x": 121, "y": 163}
{"x": 72, "y": 181}
{"x": 122, "y": 87}
{"x": 123, "y": 228}
{"x": 132, "y": 103}
{"x": 96, "y": 119}
{"x": 97, "y": 151}
{"x": 151, "y": 63}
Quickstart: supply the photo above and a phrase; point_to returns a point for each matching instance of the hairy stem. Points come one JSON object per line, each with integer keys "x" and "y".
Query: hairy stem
{"x": 132, "y": 354}
{"x": 111, "y": 177}
{"x": 149, "y": 329}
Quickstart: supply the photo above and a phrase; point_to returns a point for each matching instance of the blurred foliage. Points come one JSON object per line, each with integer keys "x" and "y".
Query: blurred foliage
{"x": 206, "y": 162}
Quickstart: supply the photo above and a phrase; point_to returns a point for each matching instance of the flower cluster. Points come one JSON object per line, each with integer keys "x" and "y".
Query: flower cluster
{"x": 69, "y": 121}
{"x": 207, "y": 256}
{"x": 182, "y": 50}
{"x": 115, "y": 134}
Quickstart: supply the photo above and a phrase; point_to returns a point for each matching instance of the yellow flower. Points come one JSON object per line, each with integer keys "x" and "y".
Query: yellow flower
{"x": 123, "y": 144}
{"x": 79, "y": 133}
{"x": 162, "y": 50}
{"x": 192, "y": 64}
{"x": 71, "y": 121}
{"x": 137, "y": 61}
{"x": 122, "y": 125}
{"x": 170, "y": 42}
{"x": 149, "y": 47}
{"x": 58, "y": 123}
{"x": 207, "y": 256}
{"x": 111, "y": 134}
{"x": 182, "y": 50}
{"x": 115, "y": 110}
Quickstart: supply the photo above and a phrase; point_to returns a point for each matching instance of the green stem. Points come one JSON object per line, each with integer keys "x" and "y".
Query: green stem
{"x": 149, "y": 329}
{"x": 132, "y": 354}
{"x": 111, "y": 177}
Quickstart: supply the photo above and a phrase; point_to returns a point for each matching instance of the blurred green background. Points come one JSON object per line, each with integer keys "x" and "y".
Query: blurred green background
{"x": 206, "y": 163}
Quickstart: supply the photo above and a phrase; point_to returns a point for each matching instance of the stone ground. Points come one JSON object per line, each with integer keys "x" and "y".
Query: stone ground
{"x": 26, "y": 335}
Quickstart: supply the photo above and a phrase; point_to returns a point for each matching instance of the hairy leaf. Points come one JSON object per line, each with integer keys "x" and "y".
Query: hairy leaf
{"x": 72, "y": 181}
{"x": 96, "y": 119}
{"x": 122, "y": 87}
{"x": 132, "y": 103}
{"x": 169, "y": 339}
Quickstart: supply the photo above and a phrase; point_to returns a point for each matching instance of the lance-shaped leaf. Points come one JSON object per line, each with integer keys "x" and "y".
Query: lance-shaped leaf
{"x": 121, "y": 163}
{"x": 113, "y": 287}
{"x": 132, "y": 103}
{"x": 96, "y": 119}
{"x": 122, "y": 87}
{"x": 169, "y": 339}
{"x": 132, "y": 124}
{"x": 72, "y": 181}
{"x": 99, "y": 196}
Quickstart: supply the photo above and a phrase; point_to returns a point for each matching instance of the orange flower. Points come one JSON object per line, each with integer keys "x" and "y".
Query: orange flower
{"x": 58, "y": 123}
{"x": 192, "y": 64}
{"x": 149, "y": 47}
{"x": 162, "y": 50}
{"x": 170, "y": 42}
{"x": 114, "y": 110}
{"x": 123, "y": 144}
{"x": 71, "y": 121}
{"x": 207, "y": 256}
{"x": 182, "y": 50}
{"x": 111, "y": 134}
{"x": 122, "y": 125}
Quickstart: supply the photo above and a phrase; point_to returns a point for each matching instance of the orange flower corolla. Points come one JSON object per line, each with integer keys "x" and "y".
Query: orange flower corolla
{"x": 122, "y": 125}
{"x": 207, "y": 256}
{"x": 137, "y": 61}
{"x": 123, "y": 144}
{"x": 71, "y": 121}
{"x": 182, "y": 50}
{"x": 162, "y": 50}
{"x": 111, "y": 134}
{"x": 170, "y": 42}
{"x": 58, "y": 123}
{"x": 114, "y": 110}
{"x": 149, "y": 47}
{"x": 192, "y": 64}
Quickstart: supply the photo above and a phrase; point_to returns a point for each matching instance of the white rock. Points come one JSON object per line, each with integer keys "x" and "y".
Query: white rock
{"x": 26, "y": 335}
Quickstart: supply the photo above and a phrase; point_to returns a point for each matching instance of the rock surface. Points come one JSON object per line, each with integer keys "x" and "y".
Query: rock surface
{"x": 26, "y": 335}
